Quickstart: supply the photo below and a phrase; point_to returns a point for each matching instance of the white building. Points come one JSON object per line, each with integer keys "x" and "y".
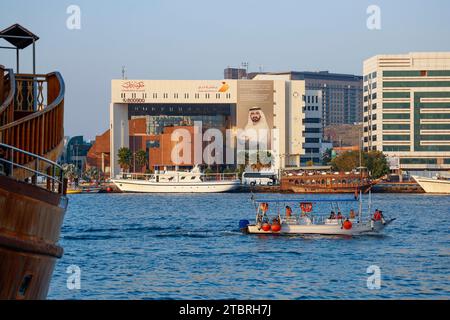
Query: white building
{"x": 407, "y": 109}
{"x": 223, "y": 104}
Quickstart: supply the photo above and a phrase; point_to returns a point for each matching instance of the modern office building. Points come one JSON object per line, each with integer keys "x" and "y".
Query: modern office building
{"x": 407, "y": 109}
{"x": 341, "y": 93}
{"x": 313, "y": 128}
{"x": 226, "y": 105}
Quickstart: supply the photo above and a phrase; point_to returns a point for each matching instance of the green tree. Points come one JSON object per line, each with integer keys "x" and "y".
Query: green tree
{"x": 141, "y": 159}
{"x": 124, "y": 158}
{"x": 375, "y": 161}
{"x": 346, "y": 161}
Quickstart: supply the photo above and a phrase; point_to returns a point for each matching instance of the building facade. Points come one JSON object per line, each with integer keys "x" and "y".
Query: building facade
{"x": 341, "y": 93}
{"x": 313, "y": 128}
{"x": 75, "y": 152}
{"x": 225, "y": 105}
{"x": 407, "y": 109}
{"x": 234, "y": 73}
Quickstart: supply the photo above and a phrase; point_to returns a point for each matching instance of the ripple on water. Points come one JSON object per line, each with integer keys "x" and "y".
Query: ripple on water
{"x": 134, "y": 246}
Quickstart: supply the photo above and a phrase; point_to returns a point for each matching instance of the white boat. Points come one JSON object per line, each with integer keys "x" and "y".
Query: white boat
{"x": 434, "y": 185}
{"x": 308, "y": 223}
{"x": 177, "y": 182}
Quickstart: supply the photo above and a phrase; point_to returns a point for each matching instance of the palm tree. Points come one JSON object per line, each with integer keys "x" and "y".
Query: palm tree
{"x": 124, "y": 158}
{"x": 141, "y": 159}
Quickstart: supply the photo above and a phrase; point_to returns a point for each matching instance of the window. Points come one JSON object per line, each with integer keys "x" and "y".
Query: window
{"x": 312, "y": 120}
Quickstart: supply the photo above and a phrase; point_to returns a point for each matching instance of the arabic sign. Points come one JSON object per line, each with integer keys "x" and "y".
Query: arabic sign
{"x": 133, "y": 86}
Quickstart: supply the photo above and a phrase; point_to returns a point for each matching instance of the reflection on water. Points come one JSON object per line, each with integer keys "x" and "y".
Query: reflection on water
{"x": 143, "y": 246}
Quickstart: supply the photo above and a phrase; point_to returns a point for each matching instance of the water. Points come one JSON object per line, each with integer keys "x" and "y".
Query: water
{"x": 143, "y": 246}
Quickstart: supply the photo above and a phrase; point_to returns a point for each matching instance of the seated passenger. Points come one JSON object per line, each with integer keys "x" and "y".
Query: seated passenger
{"x": 352, "y": 214}
{"x": 288, "y": 212}
{"x": 339, "y": 215}
{"x": 377, "y": 215}
{"x": 332, "y": 215}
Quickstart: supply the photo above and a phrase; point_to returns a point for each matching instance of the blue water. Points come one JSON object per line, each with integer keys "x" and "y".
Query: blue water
{"x": 142, "y": 246}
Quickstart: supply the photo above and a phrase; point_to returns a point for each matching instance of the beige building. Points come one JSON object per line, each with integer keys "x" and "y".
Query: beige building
{"x": 220, "y": 104}
{"x": 407, "y": 109}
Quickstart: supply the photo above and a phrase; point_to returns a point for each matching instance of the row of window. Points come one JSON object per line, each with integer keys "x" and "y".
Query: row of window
{"x": 374, "y": 86}
{"x": 374, "y": 128}
{"x": 374, "y": 106}
{"x": 372, "y": 75}
{"x": 175, "y": 95}
{"x": 374, "y": 117}
{"x": 311, "y": 108}
{"x": 366, "y": 97}
{"x": 370, "y": 138}
{"x": 311, "y": 99}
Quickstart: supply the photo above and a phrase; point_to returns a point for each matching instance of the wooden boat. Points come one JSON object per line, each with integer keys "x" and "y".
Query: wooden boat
{"x": 325, "y": 182}
{"x": 306, "y": 222}
{"x": 31, "y": 140}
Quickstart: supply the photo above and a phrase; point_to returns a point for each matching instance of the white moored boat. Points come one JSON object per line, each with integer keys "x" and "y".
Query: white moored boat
{"x": 177, "y": 182}
{"x": 434, "y": 185}
{"x": 306, "y": 222}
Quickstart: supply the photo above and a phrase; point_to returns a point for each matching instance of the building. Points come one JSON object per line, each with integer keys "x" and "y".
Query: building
{"x": 225, "y": 105}
{"x": 313, "y": 128}
{"x": 235, "y": 73}
{"x": 75, "y": 152}
{"x": 344, "y": 135}
{"x": 407, "y": 109}
{"x": 98, "y": 155}
{"x": 341, "y": 93}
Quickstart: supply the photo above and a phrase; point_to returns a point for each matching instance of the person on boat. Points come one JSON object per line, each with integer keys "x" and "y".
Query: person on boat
{"x": 339, "y": 216}
{"x": 378, "y": 216}
{"x": 332, "y": 215}
{"x": 352, "y": 214}
{"x": 288, "y": 212}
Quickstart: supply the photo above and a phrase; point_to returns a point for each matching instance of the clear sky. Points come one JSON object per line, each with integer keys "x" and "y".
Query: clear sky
{"x": 179, "y": 39}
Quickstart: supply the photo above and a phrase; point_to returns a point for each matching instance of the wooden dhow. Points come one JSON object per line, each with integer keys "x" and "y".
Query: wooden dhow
{"x": 32, "y": 188}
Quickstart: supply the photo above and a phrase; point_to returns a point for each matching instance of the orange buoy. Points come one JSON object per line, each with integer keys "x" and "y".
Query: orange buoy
{"x": 266, "y": 227}
{"x": 109, "y": 189}
{"x": 276, "y": 227}
{"x": 347, "y": 225}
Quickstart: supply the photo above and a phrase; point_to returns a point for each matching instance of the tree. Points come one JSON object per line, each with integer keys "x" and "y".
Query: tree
{"x": 346, "y": 161}
{"x": 92, "y": 174}
{"x": 141, "y": 159}
{"x": 124, "y": 158}
{"x": 70, "y": 171}
{"x": 375, "y": 161}
{"x": 377, "y": 164}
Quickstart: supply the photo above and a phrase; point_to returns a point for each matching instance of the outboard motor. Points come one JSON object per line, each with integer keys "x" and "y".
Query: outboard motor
{"x": 243, "y": 225}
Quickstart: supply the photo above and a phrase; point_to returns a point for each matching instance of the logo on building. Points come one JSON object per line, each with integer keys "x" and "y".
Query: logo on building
{"x": 214, "y": 88}
{"x": 133, "y": 86}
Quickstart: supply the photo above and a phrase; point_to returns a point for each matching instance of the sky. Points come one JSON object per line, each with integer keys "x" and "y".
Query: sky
{"x": 179, "y": 39}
